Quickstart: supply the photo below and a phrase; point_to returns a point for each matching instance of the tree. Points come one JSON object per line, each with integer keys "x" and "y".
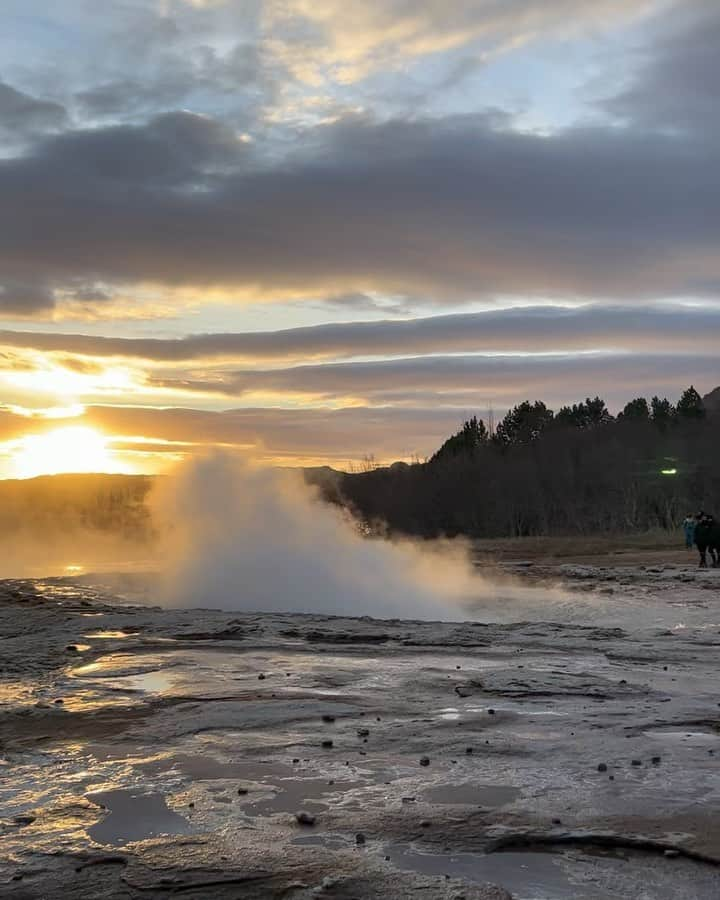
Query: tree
{"x": 663, "y": 412}
{"x": 690, "y": 405}
{"x": 636, "y": 410}
{"x": 589, "y": 414}
{"x": 468, "y": 440}
{"x": 523, "y": 424}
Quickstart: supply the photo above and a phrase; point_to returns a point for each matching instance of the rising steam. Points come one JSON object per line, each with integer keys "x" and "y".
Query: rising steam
{"x": 243, "y": 537}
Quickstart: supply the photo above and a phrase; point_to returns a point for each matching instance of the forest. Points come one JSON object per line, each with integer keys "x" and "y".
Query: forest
{"x": 576, "y": 471}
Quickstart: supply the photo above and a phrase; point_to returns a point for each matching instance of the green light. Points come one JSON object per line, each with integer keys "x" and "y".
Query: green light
{"x": 668, "y": 471}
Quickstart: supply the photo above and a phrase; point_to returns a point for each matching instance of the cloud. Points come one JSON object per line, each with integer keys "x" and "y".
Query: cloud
{"x": 22, "y": 115}
{"x": 504, "y": 379}
{"x": 450, "y": 209}
{"x": 25, "y": 298}
{"x": 646, "y": 329}
{"x": 674, "y": 86}
{"x": 351, "y": 42}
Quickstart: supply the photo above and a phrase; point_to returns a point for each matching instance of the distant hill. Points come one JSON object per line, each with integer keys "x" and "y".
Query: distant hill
{"x": 52, "y": 504}
{"x": 57, "y": 505}
{"x": 712, "y": 401}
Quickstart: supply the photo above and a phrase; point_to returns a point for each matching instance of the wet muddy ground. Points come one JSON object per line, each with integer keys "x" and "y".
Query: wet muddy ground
{"x": 564, "y": 747}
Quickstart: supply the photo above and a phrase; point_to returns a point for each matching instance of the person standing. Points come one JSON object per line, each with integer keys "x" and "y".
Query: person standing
{"x": 689, "y": 523}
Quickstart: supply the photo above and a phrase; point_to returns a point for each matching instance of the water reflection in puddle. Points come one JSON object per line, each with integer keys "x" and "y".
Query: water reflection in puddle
{"x": 134, "y": 816}
{"x": 528, "y": 876}
{"x": 107, "y": 634}
{"x": 327, "y": 841}
{"x": 689, "y": 737}
{"x": 472, "y": 794}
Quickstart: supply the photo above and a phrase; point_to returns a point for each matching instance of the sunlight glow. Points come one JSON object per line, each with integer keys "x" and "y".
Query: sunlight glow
{"x": 74, "y": 448}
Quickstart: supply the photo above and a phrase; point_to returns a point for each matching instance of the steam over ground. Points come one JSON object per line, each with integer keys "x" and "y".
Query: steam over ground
{"x": 244, "y": 537}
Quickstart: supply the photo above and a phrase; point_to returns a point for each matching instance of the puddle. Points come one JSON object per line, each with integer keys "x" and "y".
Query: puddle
{"x": 690, "y": 737}
{"x": 472, "y": 794}
{"x": 272, "y": 787}
{"x": 149, "y": 682}
{"x": 107, "y": 634}
{"x": 202, "y": 767}
{"x": 327, "y": 841}
{"x": 134, "y": 816}
{"x": 293, "y": 794}
{"x": 527, "y": 876}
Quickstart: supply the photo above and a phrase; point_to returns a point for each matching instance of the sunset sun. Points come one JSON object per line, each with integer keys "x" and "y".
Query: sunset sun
{"x": 72, "y": 448}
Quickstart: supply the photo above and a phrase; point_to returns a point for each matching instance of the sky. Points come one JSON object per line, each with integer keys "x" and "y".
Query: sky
{"x": 321, "y": 232}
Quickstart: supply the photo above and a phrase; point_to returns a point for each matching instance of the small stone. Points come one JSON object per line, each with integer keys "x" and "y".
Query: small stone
{"x": 656, "y": 760}
{"x": 363, "y": 732}
{"x": 242, "y": 792}
{"x": 328, "y": 718}
{"x": 557, "y": 821}
{"x": 491, "y": 712}
{"x": 191, "y": 805}
{"x": 327, "y": 744}
{"x": 295, "y": 760}
{"x": 602, "y": 767}
{"x": 425, "y": 823}
{"x": 304, "y": 818}
{"x": 359, "y": 839}
{"x": 261, "y": 677}
{"x": 24, "y": 820}
{"x": 636, "y": 762}
{"x": 468, "y": 749}
{"x": 59, "y": 701}
{"x": 424, "y": 760}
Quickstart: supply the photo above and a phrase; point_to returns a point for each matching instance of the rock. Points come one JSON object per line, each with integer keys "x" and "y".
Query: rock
{"x": 426, "y": 823}
{"x": 295, "y": 760}
{"x": 424, "y": 760}
{"x": 305, "y": 818}
{"x": 261, "y": 677}
{"x": 242, "y": 791}
{"x": 602, "y": 767}
{"x": 656, "y": 760}
{"x": 468, "y": 749}
{"x": 328, "y": 717}
{"x": 636, "y": 762}
{"x": 23, "y": 820}
{"x": 327, "y": 744}
{"x": 359, "y": 839}
{"x": 363, "y": 732}
{"x": 491, "y": 712}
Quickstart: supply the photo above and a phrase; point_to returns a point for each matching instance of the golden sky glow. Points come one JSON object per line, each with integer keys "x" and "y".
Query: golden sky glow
{"x": 72, "y": 448}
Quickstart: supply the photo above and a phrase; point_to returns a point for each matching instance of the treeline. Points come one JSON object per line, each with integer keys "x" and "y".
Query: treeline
{"x": 576, "y": 471}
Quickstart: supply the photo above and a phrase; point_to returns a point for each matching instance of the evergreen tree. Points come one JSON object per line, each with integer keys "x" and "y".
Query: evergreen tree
{"x": 690, "y": 405}
{"x": 523, "y": 424}
{"x": 468, "y": 439}
{"x": 636, "y": 410}
{"x": 663, "y": 412}
{"x": 589, "y": 414}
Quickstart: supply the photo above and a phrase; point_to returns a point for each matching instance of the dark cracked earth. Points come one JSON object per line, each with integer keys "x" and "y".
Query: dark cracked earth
{"x": 570, "y": 750}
